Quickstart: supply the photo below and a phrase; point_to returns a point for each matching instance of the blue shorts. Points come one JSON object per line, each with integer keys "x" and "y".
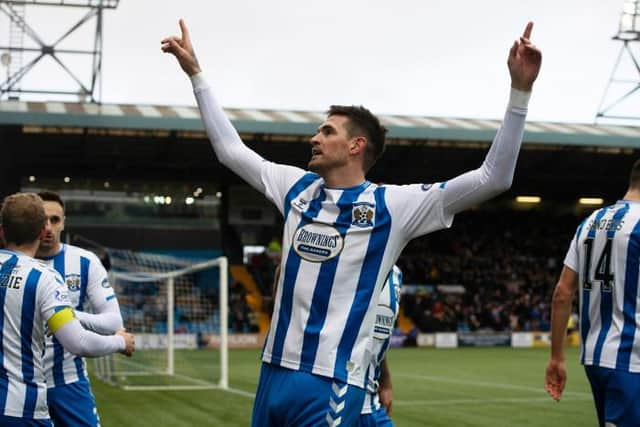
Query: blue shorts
{"x": 616, "y": 395}
{"x": 21, "y": 422}
{"x": 295, "y": 398}
{"x": 73, "y": 405}
{"x": 377, "y": 418}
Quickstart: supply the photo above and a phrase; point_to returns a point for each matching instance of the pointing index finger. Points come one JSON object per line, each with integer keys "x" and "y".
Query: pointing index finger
{"x": 527, "y": 31}
{"x": 184, "y": 30}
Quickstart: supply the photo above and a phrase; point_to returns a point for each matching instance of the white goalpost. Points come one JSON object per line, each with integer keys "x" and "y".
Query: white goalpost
{"x": 178, "y": 312}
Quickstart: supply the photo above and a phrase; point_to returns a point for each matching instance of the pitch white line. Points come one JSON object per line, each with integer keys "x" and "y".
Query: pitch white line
{"x": 479, "y": 401}
{"x": 240, "y": 392}
{"x": 167, "y": 387}
{"x": 195, "y": 380}
{"x": 487, "y": 384}
{"x": 186, "y": 387}
{"x": 199, "y": 384}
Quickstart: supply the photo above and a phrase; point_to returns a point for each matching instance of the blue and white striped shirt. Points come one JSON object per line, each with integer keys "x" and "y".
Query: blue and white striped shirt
{"x": 386, "y": 315}
{"x": 30, "y": 293}
{"x": 339, "y": 244}
{"x": 89, "y": 287}
{"x": 338, "y": 247}
{"x": 606, "y": 255}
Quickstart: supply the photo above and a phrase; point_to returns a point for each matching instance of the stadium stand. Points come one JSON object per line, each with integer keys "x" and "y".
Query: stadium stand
{"x": 493, "y": 271}
{"x": 135, "y": 148}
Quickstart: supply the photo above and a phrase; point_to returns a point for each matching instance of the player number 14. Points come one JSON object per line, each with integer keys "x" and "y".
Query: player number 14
{"x": 602, "y": 272}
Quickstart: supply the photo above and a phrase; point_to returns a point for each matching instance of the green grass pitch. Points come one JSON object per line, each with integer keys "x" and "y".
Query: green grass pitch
{"x": 432, "y": 387}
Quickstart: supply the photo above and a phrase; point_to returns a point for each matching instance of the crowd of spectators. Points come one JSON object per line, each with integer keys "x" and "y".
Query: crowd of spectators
{"x": 506, "y": 264}
{"x": 492, "y": 271}
{"x": 241, "y": 318}
{"x": 144, "y": 308}
{"x": 196, "y": 295}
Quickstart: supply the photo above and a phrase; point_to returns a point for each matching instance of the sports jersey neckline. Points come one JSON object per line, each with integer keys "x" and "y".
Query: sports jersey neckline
{"x": 11, "y": 251}
{"x": 46, "y": 258}
{"x": 358, "y": 187}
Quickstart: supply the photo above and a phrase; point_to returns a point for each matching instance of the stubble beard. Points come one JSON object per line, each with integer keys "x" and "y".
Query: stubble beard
{"x": 45, "y": 248}
{"x": 314, "y": 166}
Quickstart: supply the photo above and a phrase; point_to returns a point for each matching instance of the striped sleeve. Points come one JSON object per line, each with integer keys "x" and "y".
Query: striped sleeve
{"x": 279, "y": 179}
{"x": 571, "y": 260}
{"x": 417, "y": 209}
{"x": 99, "y": 290}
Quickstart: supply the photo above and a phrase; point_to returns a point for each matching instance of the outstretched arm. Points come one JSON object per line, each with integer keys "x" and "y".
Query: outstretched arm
{"x": 77, "y": 340}
{"x": 496, "y": 173}
{"x": 556, "y": 374}
{"x": 225, "y": 140}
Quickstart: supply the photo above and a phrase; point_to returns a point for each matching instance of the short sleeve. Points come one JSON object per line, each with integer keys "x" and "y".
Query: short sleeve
{"x": 571, "y": 259}
{"x": 99, "y": 289}
{"x": 279, "y": 179}
{"x": 52, "y": 295}
{"x": 417, "y": 209}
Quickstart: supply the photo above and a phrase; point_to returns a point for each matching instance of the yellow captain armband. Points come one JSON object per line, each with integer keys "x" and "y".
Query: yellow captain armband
{"x": 60, "y": 318}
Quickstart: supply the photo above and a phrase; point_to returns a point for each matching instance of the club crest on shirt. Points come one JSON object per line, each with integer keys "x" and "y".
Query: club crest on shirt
{"x": 362, "y": 214}
{"x": 73, "y": 282}
{"x": 317, "y": 242}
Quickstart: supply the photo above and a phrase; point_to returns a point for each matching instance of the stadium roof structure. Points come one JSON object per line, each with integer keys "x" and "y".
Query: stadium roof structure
{"x": 303, "y": 123}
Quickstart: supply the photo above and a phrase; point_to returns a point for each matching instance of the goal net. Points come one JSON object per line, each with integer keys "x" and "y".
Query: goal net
{"x": 176, "y": 309}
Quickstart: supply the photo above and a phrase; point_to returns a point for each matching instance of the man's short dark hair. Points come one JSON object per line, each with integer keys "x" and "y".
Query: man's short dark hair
{"x": 23, "y": 218}
{"x": 51, "y": 196}
{"x": 363, "y": 122}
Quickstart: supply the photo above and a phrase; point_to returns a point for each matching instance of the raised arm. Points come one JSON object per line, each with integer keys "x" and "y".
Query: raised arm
{"x": 226, "y": 142}
{"x": 496, "y": 173}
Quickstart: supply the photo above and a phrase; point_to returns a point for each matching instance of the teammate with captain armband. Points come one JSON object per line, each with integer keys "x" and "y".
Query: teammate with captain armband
{"x": 35, "y": 303}
{"x": 71, "y": 402}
